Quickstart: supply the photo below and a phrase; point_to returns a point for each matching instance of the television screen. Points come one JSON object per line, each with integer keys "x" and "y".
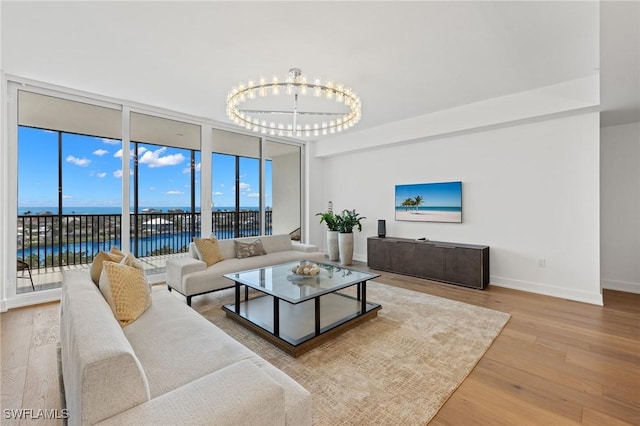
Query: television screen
{"x": 429, "y": 202}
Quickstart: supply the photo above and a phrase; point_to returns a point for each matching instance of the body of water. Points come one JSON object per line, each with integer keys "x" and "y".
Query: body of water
{"x": 146, "y": 245}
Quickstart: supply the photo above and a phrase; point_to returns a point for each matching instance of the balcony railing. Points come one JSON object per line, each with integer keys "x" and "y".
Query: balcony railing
{"x": 74, "y": 239}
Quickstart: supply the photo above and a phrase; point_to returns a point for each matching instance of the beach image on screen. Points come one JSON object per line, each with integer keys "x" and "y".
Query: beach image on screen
{"x": 429, "y": 202}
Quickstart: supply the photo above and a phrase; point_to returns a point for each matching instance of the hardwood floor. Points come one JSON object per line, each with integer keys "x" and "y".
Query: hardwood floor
{"x": 556, "y": 362}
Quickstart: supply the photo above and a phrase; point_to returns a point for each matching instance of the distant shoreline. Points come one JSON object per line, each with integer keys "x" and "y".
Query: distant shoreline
{"x": 34, "y": 211}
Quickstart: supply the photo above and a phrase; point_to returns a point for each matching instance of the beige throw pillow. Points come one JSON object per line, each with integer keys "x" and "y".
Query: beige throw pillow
{"x": 126, "y": 290}
{"x": 130, "y": 260}
{"x": 208, "y": 250}
{"x": 115, "y": 250}
{"x": 249, "y": 249}
{"x": 96, "y": 265}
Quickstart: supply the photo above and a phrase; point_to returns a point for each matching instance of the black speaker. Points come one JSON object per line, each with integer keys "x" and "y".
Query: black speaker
{"x": 382, "y": 228}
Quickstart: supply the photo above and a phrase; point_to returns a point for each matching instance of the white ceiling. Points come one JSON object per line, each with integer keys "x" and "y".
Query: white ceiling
{"x": 404, "y": 59}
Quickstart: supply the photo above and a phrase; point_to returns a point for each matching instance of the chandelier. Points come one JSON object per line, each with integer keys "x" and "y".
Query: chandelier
{"x": 293, "y": 106}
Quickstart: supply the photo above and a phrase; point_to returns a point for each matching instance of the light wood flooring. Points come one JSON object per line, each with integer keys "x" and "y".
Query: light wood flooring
{"x": 556, "y": 362}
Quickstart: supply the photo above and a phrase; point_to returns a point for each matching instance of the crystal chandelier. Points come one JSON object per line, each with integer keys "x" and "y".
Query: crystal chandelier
{"x": 305, "y": 109}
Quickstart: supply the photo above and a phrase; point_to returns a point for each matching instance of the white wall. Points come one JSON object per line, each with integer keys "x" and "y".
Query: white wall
{"x": 620, "y": 207}
{"x": 286, "y": 193}
{"x": 530, "y": 192}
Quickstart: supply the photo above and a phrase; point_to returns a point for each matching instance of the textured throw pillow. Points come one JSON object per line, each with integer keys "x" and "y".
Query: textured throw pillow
{"x": 249, "y": 249}
{"x": 208, "y": 250}
{"x": 126, "y": 290}
{"x": 130, "y": 260}
{"x": 115, "y": 250}
{"x": 96, "y": 266}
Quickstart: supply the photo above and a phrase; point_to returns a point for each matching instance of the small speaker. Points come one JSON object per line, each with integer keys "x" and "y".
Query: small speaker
{"x": 382, "y": 228}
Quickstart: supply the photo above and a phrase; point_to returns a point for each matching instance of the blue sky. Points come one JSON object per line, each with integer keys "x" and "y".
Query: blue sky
{"x": 442, "y": 194}
{"x": 92, "y": 174}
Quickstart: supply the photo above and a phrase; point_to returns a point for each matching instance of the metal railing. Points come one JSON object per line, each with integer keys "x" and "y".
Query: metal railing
{"x": 48, "y": 240}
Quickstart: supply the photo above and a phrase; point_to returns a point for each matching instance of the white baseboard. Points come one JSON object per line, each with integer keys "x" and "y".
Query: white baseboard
{"x": 548, "y": 290}
{"x": 629, "y": 287}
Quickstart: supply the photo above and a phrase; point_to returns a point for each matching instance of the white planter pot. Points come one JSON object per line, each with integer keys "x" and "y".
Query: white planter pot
{"x": 332, "y": 245}
{"x": 345, "y": 242}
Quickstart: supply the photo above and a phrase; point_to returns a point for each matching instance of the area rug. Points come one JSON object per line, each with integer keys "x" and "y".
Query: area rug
{"x": 397, "y": 368}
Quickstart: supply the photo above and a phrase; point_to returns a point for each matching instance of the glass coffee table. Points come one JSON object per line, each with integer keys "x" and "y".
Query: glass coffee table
{"x": 298, "y": 312}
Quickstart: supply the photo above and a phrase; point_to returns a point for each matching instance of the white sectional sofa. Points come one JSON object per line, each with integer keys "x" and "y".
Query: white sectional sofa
{"x": 170, "y": 366}
{"x": 191, "y": 277}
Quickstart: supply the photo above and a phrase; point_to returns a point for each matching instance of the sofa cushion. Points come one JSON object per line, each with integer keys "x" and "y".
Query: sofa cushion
{"x": 228, "y": 248}
{"x": 126, "y": 290}
{"x": 278, "y": 242}
{"x": 96, "y": 266}
{"x": 208, "y": 250}
{"x": 187, "y": 346}
{"x": 249, "y": 249}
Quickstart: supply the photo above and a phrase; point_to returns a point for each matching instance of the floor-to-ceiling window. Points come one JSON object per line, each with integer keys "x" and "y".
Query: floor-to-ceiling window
{"x": 71, "y": 193}
{"x": 165, "y": 186}
{"x": 235, "y": 185}
{"x": 69, "y": 200}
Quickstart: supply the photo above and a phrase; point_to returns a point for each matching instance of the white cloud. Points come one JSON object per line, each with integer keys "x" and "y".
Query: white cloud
{"x": 175, "y": 192}
{"x": 66, "y": 197}
{"x": 110, "y": 141}
{"x": 118, "y": 153}
{"x": 152, "y": 188}
{"x": 218, "y": 193}
{"x": 82, "y": 162}
{"x": 100, "y": 152}
{"x": 101, "y": 174}
{"x": 156, "y": 159}
{"x": 253, "y": 195}
{"x": 117, "y": 174}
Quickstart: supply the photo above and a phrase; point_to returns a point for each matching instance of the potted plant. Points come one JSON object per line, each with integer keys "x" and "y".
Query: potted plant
{"x": 347, "y": 221}
{"x": 330, "y": 219}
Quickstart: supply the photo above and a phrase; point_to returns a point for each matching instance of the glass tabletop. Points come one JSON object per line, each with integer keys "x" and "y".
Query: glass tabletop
{"x": 282, "y": 282}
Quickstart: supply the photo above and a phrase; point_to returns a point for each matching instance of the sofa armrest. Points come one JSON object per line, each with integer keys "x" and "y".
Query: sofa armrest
{"x": 239, "y": 394}
{"x": 306, "y": 248}
{"x": 178, "y": 267}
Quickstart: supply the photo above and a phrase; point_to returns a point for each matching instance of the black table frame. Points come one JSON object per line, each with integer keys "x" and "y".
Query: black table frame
{"x": 366, "y": 311}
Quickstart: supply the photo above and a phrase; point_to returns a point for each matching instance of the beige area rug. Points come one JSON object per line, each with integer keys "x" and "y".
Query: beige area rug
{"x": 398, "y": 368}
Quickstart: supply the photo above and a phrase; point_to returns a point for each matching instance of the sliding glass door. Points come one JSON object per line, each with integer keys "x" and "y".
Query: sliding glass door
{"x": 164, "y": 187}
{"x": 235, "y": 183}
{"x": 69, "y": 194}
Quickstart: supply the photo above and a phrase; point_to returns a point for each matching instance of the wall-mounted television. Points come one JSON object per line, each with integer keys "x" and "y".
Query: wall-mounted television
{"x": 429, "y": 202}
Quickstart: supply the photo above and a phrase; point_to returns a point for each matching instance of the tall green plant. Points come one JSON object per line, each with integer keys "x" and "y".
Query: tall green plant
{"x": 347, "y": 220}
{"x": 330, "y": 219}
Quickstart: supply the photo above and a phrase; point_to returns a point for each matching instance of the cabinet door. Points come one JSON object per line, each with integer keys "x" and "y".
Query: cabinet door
{"x": 378, "y": 254}
{"x": 430, "y": 261}
{"x": 403, "y": 257}
{"x": 464, "y": 266}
